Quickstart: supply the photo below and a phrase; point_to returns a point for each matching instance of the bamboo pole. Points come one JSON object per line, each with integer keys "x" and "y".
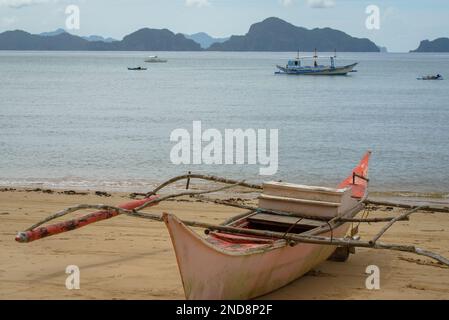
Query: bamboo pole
{"x": 406, "y": 206}
{"x": 186, "y": 193}
{"x": 29, "y": 236}
{"x": 34, "y": 232}
{"x": 388, "y": 226}
{"x": 372, "y": 220}
{"x": 130, "y": 205}
{"x": 302, "y": 238}
{"x": 190, "y": 176}
{"x": 106, "y": 212}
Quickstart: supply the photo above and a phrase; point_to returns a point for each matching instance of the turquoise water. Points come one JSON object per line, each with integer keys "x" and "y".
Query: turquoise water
{"x": 71, "y": 119}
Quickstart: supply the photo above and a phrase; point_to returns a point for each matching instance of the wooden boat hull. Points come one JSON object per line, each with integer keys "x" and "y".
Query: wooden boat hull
{"x": 327, "y": 71}
{"x": 226, "y": 266}
{"x": 214, "y": 273}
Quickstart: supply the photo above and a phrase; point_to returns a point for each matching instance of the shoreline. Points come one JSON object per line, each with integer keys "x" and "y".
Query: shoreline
{"x": 127, "y": 258}
{"x": 410, "y": 197}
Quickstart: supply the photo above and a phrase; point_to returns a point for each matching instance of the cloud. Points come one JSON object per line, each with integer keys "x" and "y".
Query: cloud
{"x": 16, "y": 4}
{"x": 197, "y": 3}
{"x": 8, "y": 21}
{"x": 320, "y": 4}
{"x": 286, "y": 3}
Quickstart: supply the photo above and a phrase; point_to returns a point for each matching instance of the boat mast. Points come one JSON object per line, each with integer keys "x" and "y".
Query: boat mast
{"x": 333, "y": 58}
{"x": 315, "y": 57}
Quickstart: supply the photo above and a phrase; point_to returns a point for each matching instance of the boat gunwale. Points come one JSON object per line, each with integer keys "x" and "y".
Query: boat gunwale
{"x": 306, "y": 188}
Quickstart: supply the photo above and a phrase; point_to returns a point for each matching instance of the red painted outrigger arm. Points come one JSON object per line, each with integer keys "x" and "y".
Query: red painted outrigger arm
{"x": 51, "y": 230}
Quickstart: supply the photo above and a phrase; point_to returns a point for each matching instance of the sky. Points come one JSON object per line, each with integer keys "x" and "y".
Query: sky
{"x": 402, "y": 23}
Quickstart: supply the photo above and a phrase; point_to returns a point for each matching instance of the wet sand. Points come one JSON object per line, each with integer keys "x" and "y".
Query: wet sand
{"x": 129, "y": 258}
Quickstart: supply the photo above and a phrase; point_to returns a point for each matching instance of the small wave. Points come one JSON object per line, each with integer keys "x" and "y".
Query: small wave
{"x": 83, "y": 184}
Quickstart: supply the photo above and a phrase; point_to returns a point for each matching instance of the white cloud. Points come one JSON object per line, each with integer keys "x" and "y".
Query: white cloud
{"x": 22, "y": 3}
{"x": 321, "y": 3}
{"x": 8, "y": 21}
{"x": 286, "y": 3}
{"x": 197, "y": 3}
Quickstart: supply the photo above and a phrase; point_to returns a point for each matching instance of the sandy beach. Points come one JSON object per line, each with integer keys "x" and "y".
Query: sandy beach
{"x": 129, "y": 258}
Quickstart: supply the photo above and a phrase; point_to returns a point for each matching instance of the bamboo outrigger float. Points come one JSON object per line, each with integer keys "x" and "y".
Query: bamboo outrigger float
{"x": 293, "y": 229}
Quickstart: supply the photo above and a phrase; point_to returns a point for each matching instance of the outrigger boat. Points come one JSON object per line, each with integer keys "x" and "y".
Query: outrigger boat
{"x": 293, "y": 230}
{"x": 431, "y": 77}
{"x": 237, "y": 266}
{"x": 137, "y": 69}
{"x": 295, "y": 67}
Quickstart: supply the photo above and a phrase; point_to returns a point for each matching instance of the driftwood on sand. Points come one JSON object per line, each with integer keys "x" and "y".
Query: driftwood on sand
{"x": 291, "y": 238}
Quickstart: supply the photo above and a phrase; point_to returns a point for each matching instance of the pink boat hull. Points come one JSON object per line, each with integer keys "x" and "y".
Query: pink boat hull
{"x": 214, "y": 273}
{"x": 230, "y": 266}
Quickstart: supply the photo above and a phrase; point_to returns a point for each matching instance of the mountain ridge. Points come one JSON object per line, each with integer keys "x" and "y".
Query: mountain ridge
{"x": 437, "y": 45}
{"x": 272, "y": 34}
{"x": 144, "y": 39}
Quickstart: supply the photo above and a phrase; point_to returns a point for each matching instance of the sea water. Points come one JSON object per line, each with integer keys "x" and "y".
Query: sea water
{"x": 82, "y": 120}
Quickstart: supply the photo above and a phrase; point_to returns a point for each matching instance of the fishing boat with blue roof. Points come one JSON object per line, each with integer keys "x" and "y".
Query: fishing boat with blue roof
{"x": 296, "y": 67}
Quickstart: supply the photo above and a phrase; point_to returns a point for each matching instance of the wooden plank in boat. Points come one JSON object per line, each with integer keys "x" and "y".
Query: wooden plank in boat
{"x": 302, "y": 206}
{"x": 300, "y": 201}
{"x": 303, "y": 192}
{"x": 283, "y": 220}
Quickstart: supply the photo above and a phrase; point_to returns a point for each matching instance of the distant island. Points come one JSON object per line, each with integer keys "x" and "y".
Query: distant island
{"x": 437, "y": 45}
{"x": 205, "y": 40}
{"x": 272, "y": 34}
{"x": 141, "y": 40}
{"x": 88, "y": 38}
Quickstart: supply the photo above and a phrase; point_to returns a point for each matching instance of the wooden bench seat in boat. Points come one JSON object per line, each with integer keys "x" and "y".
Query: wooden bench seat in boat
{"x": 273, "y": 219}
{"x": 307, "y": 200}
{"x": 278, "y": 223}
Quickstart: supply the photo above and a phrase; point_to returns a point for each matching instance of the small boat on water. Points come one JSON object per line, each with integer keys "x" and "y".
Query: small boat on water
{"x": 155, "y": 59}
{"x": 296, "y": 67}
{"x": 431, "y": 77}
{"x": 137, "y": 69}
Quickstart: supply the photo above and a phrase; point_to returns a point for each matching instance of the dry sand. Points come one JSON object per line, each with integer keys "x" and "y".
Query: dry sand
{"x": 129, "y": 258}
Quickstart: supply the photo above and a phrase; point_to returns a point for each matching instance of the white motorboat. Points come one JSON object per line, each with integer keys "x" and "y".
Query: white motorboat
{"x": 155, "y": 59}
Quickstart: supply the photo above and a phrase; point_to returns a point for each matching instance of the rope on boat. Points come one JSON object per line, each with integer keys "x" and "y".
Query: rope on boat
{"x": 293, "y": 226}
